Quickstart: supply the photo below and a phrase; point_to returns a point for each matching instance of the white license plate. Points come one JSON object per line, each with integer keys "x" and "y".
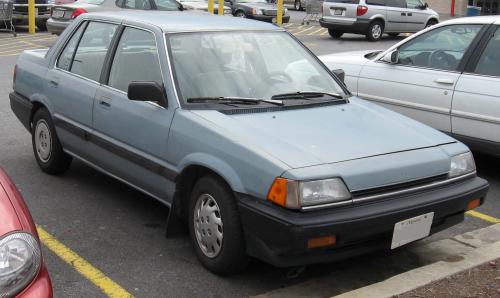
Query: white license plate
{"x": 411, "y": 229}
{"x": 338, "y": 12}
{"x": 58, "y": 13}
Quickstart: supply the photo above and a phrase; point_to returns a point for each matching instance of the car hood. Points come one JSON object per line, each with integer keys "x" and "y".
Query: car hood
{"x": 354, "y": 58}
{"x": 9, "y": 220}
{"x": 200, "y": 6}
{"x": 323, "y": 135}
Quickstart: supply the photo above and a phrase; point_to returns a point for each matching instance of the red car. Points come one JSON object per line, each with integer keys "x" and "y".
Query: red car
{"x": 22, "y": 271}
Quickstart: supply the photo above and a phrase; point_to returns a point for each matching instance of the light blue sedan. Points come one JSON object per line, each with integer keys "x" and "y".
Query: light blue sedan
{"x": 243, "y": 133}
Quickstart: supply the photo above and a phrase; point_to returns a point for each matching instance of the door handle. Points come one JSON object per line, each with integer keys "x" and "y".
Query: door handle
{"x": 104, "y": 103}
{"x": 445, "y": 81}
{"x": 409, "y": 14}
{"x": 54, "y": 82}
{"x": 403, "y": 14}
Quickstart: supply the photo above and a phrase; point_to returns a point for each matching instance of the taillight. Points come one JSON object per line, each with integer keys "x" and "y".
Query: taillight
{"x": 77, "y": 12}
{"x": 362, "y": 10}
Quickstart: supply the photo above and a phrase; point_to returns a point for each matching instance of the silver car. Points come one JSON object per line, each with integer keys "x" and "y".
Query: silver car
{"x": 375, "y": 17}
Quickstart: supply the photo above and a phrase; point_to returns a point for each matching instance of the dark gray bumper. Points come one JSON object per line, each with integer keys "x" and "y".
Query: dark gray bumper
{"x": 358, "y": 27}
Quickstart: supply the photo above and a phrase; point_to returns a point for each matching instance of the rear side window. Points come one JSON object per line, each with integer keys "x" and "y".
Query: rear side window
{"x": 92, "y": 49}
{"x": 136, "y": 59}
{"x": 66, "y": 56}
{"x": 344, "y": 1}
{"x": 376, "y": 2}
{"x": 489, "y": 63}
{"x": 414, "y": 3}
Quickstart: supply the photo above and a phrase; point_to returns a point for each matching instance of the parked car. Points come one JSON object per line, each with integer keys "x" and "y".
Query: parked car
{"x": 42, "y": 12}
{"x": 447, "y": 77}
{"x": 63, "y": 15}
{"x": 22, "y": 271}
{"x": 259, "y": 10}
{"x": 373, "y": 18}
{"x": 297, "y": 4}
{"x": 203, "y": 6}
{"x": 201, "y": 114}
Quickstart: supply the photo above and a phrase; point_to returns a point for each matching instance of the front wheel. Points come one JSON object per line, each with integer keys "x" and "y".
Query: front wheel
{"x": 375, "y": 31}
{"x": 215, "y": 227}
{"x": 431, "y": 23}
{"x": 46, "y": 146}
{"x": 240, "y": 14}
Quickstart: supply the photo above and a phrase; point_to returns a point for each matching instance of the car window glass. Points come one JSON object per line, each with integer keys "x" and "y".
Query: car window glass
{"x": 376, "y": 2}
{"x": 92, "y": 50}
{"x": 442, "y": 48}
{"x": 167, "y": 5}
{"x": 489, "y": 63}
{"x": 64, "y": 61}
{"x": 414, "y": 3}
{"x": 137, "y": 4}
{"x": 136, "y": 59}
{"x": 396, "y": 3}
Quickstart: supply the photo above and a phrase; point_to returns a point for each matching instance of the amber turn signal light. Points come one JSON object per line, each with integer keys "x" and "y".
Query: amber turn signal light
{"x": 473, "y": 204}
{"x": 322, "y": 241}
{"x": 278, "y": 191}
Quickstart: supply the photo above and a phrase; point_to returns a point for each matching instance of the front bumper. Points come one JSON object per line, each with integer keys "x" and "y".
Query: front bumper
{"x": 279, "y": 236}
{"x": 265, "y": 18}
{"x": 360, "y": 26}
{"x": 57, "y": 27}
{"x": 40, "y": 287}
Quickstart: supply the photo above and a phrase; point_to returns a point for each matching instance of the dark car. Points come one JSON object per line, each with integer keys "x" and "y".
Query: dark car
{"x": 42, "y": 12}
{"x": 256, "y": 9}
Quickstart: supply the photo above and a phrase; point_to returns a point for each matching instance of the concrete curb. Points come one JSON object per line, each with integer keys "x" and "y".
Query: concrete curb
{"x": 485, "y": 247}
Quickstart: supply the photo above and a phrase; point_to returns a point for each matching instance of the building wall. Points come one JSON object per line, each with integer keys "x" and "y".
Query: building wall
{"x": 444, "y": 6}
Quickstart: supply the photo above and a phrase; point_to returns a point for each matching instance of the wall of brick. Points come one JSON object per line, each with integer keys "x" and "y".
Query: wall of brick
{"x": 444, "y": 6}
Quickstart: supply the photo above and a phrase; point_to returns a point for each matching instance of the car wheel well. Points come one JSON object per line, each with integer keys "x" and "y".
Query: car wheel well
{"x": 185, "y": 183}
{"x": 432, "y": 21}
{"x": 36, "y": 106}
{"x": 382, "y": 21}
{"x": 239, "y": 10}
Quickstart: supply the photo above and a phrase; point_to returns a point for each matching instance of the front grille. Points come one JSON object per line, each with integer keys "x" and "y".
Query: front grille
{"x": 398, "y": 187}
{"x": 270, "y": 12}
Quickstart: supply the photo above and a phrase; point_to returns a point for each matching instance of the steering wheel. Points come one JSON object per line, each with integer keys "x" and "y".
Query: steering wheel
{"x": 441, "y": 59}
{"x": 278, "y": 73}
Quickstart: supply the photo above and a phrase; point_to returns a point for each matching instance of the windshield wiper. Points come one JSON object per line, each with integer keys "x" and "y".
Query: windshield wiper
{"x": 236, "y": 100}
{"x": 305, "y": 95}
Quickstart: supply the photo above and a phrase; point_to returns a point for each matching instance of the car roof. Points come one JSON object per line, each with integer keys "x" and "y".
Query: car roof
{"x": 176, "y": 21}
{"x": 474, "y": 20}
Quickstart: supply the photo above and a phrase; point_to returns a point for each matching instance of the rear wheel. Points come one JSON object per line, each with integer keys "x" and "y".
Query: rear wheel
{"x": 46, "y": 146}
{"x": 375, "y": 31}
{"x": 240, "y": 14}
{"x": 297, "y": 5}
{"x": 215, "y": 227}
{"x": 335, "y": 34}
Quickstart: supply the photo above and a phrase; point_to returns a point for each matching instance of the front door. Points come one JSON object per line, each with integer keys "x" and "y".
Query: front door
{"x": 396, "y": 16}
{"x": 416, "y": 15}
{"x": 421, "y": 85}
{"x": 131, "y": 136}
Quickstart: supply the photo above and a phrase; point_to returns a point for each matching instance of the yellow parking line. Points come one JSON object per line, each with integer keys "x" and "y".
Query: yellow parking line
{"x": 109, "y": 287}
{"x": 7, "y": 52}
{"x": 483, "y": 216}
{"x": 302, "y": 31}
{"x": 315, "y": 32}
{"x": 11, "y": 46}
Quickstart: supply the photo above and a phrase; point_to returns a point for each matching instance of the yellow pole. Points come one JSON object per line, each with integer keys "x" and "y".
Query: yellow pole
{"x": 221, "y": 7}
{"x": 211, "y": 6}
{"x": 279, "y": 16}
{"x": 31, "y": 16}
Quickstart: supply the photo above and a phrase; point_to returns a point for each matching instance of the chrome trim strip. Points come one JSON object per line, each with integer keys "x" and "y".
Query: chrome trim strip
{"x": 404, "y": 104}
{"x": 476, "y": 117}
{"x": 365, "y": 199}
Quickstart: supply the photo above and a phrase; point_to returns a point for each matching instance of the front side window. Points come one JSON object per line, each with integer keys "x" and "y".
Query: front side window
{"x": 245, "y": 64}
{"x": 66, "y": 56}
{"x": 92, "y": 49}
{"x": 137, "y": 4}
{"x": 396, "y": 3}
{"x": 442, "y": 48}
{"x": 136, "y": 59}
{"x": 415, "y": 4}
{"x": 489, "y": 63}
{"x": 167, "y": 5}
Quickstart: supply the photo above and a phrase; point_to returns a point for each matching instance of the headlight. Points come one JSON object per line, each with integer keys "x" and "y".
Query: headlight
{"x": 256, "y": 11}
{"x": 462, "y": 164}
{"x": 227, "y": 11}
{"x": 296, "y": 194}
{"x": 20, "y": 260}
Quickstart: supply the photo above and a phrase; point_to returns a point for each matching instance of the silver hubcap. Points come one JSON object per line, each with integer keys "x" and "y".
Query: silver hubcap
{"x": 208, "y": 225}
{"x": 376, "y": 31}
{"x": 43, "y": 141}
{"x": 240, "y": 15}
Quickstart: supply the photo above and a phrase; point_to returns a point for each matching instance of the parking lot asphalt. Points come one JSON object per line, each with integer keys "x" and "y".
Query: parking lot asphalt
{"x": 121, "y": 232}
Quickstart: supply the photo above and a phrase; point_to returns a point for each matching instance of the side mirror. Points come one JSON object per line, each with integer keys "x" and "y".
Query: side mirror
{"x": 340, "y": 73}
{"x": 181, "y": 7}
{"x": 392, "y": 57}
{"x": 146, "y": 91}
{"x": 424, "y": 6}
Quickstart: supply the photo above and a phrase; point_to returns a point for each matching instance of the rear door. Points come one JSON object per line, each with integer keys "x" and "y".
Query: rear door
{"x": 396, "y": 16}
{"x": 131, "y": 136}
{"x": 476, "y": 102}
{"x": 74, "y": 81}
{"x": 421, "y": 85}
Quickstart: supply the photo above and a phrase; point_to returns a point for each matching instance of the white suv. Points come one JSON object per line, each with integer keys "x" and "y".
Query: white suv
{"x": 375, "y": 17}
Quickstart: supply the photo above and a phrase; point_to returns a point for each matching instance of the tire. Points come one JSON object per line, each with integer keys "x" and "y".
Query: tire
{"x": 240, "y": 14}
{"x": 335, "y": 34}
{"x": 46, "y": 146}
{"x": 393, "y": 34}
{"x": 42, "y": 26}
{"x": 375, "y": 31}
{"x": 226, "y": 255}
{"x": 298, "y": 5}
{"x": 431, "y": 23}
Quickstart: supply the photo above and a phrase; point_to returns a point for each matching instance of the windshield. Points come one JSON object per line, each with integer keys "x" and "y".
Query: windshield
{"x": 95, "y": 2}
{"x": 245, "y": 64}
